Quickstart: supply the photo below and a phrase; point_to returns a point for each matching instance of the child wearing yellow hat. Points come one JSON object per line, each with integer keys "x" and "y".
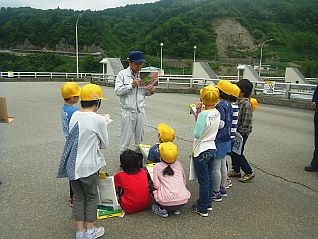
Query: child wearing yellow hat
{"x": 222, "y": 141}
{"x": 81, "y": 160}
{"x": 165, "y": 134}
{"x": 204, "y": 149}
{"x": 169, "y": 182}
{"x": 70, "y": 92}
{"x": 234, "y": 93}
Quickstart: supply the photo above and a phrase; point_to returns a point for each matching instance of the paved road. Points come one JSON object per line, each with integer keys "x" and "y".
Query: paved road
{"x": 281, "y": 202}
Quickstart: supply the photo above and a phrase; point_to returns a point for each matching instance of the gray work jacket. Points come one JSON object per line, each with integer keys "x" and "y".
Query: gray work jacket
{"x": 131, "y": 99}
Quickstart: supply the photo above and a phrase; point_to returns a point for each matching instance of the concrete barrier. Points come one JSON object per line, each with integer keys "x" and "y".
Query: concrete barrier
{"x": 276, "y": 100}
{"x": 263, "y": 99}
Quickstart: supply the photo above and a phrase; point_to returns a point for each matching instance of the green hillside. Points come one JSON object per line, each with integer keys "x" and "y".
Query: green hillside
{"x": 179, "y": 24}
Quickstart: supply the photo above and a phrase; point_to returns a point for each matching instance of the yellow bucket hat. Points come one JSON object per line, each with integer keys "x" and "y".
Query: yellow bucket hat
{"x": 235, "y": 90}
{"x": 254, "y": 103}
{"x": 90, "y": 92}
{"x": 168, "y": 152}
{"x": 166, "y": 133}
{"x": 70, "y": 89}
{"x": 225, "y": 86}
{"x": 209, "y": 95}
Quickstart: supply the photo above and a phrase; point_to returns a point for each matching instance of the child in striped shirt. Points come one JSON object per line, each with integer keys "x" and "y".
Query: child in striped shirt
{"x": 234, "y": 93}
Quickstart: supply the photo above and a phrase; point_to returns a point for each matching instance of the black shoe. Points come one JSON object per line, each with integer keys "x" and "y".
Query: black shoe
{"x": 311, "y": 168}
{"x": 201, "y": 213}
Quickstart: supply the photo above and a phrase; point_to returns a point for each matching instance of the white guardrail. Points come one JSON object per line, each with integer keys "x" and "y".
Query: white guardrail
{"x": 279, "y": 89}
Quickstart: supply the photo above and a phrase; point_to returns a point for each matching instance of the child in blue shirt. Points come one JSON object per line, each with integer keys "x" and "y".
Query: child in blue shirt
{"x": 70, "y": 92}
{"x": 222, "y": 141}
{"x": 165, "y": 134}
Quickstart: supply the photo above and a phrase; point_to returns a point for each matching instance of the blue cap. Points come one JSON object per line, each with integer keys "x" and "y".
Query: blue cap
{"x": 136, "y": 56}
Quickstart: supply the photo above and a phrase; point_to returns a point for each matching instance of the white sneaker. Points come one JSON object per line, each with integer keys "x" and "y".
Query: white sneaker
{"x": 98, "y": 232}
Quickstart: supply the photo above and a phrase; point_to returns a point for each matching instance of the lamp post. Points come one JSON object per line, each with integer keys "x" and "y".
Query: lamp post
{"x": 77, "y": 44}
{"x": 161, "y": 45}
{"x": 194, "y": 50}
{"x": 260, "y": 59}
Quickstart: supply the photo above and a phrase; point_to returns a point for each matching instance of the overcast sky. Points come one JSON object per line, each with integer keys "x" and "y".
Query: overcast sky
{"x": 71, "y": 4}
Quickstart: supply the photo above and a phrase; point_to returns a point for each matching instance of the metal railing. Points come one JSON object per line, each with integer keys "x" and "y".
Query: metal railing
{"x": 66, "y": 75}
{"x": 281, "y": 89}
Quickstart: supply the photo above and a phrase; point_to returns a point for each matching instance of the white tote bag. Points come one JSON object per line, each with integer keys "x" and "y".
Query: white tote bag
{"x": 237, "y": 143}
{"x": 107, "y": 193}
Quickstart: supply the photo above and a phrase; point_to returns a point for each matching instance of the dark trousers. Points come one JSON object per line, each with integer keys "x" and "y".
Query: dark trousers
{"x": 171, "y": 208}
{"x": 314, "y": 161}
{"x": 203, "y": 166}
{"x": 239, "y": 161}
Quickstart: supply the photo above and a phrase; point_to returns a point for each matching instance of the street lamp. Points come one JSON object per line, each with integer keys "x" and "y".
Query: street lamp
{"x": 260, "y": 59}
{"x": 77, "y": 44}
{"x": 194, "y": 50}
{"x": 161, "y": 45}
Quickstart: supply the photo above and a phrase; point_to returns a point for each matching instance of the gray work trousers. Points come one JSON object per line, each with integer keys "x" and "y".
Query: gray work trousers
{"x": 85, "y": 198}
{"x": 132, "y": 124}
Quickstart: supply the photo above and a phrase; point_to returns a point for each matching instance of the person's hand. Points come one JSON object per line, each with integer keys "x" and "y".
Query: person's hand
{"x": 136, "y": 82}
{"x": 313, "y": 105}
{"x": 150, "y": 88}
{"x": 199, "y": 107}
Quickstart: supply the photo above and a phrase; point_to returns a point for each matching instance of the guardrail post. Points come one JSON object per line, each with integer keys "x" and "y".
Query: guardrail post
{"x": 287, "y": 92}
{"x": 1, "y": 74}
{"x": 254, "y": 87}
{"x": 191, "y": 82}
{"x": 35, "y": 75}
{"x": 167, "y": 82}
{"x": 66, "y": 75}
{"x": 51, "y": 75}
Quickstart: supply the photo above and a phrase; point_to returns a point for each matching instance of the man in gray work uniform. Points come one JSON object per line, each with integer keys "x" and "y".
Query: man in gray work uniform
{"x": 132, "y": 92}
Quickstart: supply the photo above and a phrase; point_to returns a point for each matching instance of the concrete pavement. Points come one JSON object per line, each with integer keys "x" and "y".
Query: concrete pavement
{"x": 281, "y": 202}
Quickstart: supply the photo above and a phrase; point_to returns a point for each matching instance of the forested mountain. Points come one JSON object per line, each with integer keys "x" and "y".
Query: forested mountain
{"x": 179, "y": 24}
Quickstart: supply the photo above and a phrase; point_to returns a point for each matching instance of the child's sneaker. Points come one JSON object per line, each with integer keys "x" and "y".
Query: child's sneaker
{"x": 201, "y": 213}
{"x": 223, "y": 192}
{"x": 97, "y": 232}
{"x": 160, "y": 212}
{"x": 176, "y": 212}
{"x": 216, "y": 196}
{"x": 80, "y": 235}
{"x": 234, "y": 174}
{"x": 228, "y": 183}
{"x": 246, "y": 177}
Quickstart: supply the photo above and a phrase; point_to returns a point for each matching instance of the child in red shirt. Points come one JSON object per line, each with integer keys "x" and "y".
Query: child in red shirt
{"x": 132, "y": 183}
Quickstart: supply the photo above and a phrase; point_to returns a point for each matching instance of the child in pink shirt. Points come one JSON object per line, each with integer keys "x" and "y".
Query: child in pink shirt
{"x": 169, "y": 182}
